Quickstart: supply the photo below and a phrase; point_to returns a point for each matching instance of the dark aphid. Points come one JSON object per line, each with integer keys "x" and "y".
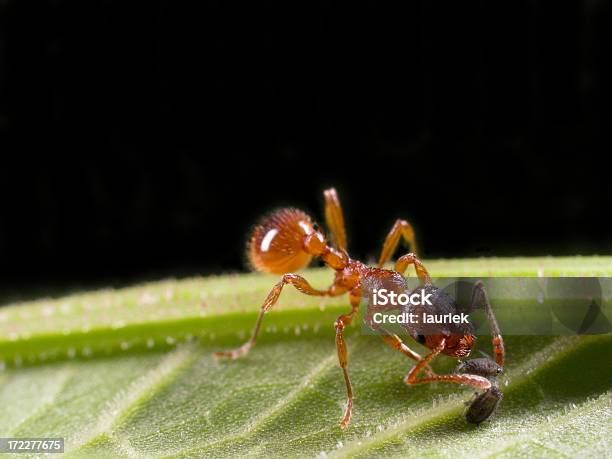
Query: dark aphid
{"x": 483, "y": 366}
{"x": 484, "y": 405}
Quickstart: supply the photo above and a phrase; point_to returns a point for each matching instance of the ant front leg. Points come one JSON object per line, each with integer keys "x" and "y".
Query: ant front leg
{"x": 340, "y": 324}
{"x": 496, "y": 337}
{"x": 396, "y": 343}
{"x": 334, "y": 218}
{"x": 476, "y": 381}
{"x": 400, "y": 229}
{"x": 299, "y": 283}
{"x": 484, "y": 404}
{"x": 391, "y": 339}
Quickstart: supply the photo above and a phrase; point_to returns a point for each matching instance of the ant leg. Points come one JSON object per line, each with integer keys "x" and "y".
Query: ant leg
{"x": 484, "y": 405}
{"x": 396, "y": 342}
{"x": 496, "y": 338}
{"x": 400, "y": 229}
{"x": 299, "y": 283}
{"x": 335, "y": 218}
{"x": 392, "y": 339}
{"x": 340, "y": 324}
{"x": 476, "y": 381}
{"x": 411, "y": 259}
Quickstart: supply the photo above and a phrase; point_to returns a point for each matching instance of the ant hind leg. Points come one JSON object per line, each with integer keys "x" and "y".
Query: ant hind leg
{"x": 334, "y": 218}
{"x": 401, "y": 229}
{"x": 411, "y": 259}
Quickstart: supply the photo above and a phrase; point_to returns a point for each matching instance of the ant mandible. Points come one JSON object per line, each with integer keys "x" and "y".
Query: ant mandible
{"x": 287, "y": 240}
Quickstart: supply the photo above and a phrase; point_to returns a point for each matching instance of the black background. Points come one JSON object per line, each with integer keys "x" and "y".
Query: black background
{"x": 143, "y": 139}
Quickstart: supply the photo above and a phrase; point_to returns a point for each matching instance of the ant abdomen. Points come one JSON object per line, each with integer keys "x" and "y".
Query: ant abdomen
{"x": 277, "y": 242}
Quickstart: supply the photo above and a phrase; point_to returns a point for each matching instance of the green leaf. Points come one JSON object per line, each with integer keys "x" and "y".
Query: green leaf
{"x": 129, "y": 373}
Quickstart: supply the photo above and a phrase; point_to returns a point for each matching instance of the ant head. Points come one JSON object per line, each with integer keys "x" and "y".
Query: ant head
{"x": 284, "y": 241}
{"x": 458, "y": 345}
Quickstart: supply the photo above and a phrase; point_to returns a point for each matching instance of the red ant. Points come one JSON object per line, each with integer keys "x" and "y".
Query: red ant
{"x": 286, "y": 241}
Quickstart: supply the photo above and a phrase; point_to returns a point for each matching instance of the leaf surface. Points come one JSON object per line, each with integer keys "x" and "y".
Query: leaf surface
{"x": 129, "y": 373}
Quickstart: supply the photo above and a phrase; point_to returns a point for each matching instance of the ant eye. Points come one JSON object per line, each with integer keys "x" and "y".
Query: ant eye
{"x": 315, "y": 226}
{"x": 421, "y": 339}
